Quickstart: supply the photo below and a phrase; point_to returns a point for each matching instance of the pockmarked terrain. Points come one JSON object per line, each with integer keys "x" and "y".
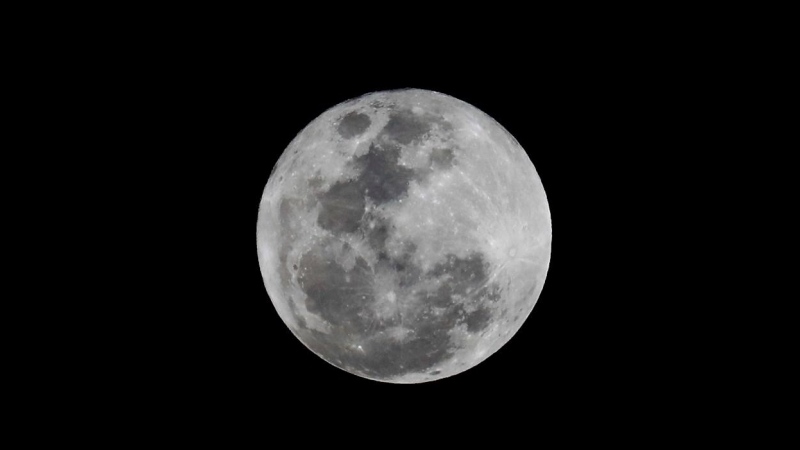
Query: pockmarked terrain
{"x": 404, "y": 236}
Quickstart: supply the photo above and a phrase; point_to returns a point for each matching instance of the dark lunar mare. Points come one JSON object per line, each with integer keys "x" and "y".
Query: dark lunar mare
{"x": 380, "y": 179}
{"x": 353, "y": 124}
{"x": 465, "y": 278}
{"x": 337, "y": 295}
{"x": 406, "y": 127}
{"x": 341, "y": 207}
{"x": 442, "y": 158}
{"x": 345, "y": 299}
{"x": 376, "y": 231}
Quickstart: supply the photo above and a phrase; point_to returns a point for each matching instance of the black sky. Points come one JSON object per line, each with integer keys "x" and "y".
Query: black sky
{"x": 597, "y": 333}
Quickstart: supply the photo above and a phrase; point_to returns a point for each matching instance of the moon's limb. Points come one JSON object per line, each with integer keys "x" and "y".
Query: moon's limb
{"x": 404, "y": 236}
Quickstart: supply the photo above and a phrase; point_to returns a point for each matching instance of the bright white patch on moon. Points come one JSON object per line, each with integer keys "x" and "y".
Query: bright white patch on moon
{"x": 404, "y": 236}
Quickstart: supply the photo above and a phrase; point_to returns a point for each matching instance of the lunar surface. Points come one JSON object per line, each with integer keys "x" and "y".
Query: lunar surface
{"x": 404, "y": 236}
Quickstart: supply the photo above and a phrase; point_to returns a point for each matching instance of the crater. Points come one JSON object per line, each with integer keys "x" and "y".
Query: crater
{"x": 353, "y": 124}
{"x": 441, "y": 158}
{"x": 300, "y": 320}
{"x": 405, "y": 127}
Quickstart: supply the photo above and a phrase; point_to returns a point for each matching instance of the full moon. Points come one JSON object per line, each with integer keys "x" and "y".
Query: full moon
{"x": 404, "y": 236}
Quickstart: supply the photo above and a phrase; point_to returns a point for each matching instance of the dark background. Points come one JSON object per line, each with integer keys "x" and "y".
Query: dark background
{"x": 175, "y": 120}
{"x": 166, "y": 124}
{"x": 593, "y": 125}
{"x": 583, "y": 337}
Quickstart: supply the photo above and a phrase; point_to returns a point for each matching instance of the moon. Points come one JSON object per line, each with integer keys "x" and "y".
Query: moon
{"x": 404, "y": 236}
